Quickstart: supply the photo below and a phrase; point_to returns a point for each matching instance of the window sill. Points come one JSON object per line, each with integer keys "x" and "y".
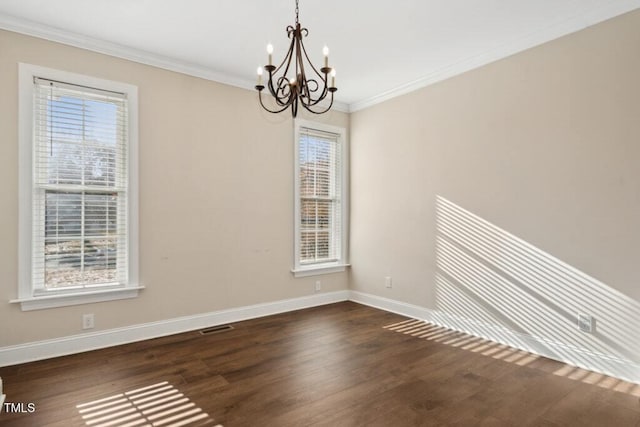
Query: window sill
{"x": 76, "y": 298}
{"x": 318, "y": 269}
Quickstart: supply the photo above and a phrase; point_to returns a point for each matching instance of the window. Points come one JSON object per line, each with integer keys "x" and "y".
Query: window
{"x": 320, "y": 208}
{"x": 78, "y": 188}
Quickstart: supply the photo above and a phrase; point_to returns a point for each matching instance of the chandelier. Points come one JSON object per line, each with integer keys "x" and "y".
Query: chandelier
{"x": 296, "y": 80}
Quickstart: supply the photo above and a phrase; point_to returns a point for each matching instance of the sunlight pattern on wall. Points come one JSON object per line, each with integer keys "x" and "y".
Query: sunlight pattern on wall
{"x": 159, "y": 404}
{"x": 495, "y": 285}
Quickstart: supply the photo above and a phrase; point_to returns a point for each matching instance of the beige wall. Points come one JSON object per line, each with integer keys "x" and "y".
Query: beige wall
{"x": 216, "y": 197}
{"x": 509, "y": 195}
{"x": 543, "y": 145}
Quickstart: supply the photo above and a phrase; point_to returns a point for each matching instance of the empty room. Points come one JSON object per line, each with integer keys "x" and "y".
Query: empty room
{"x": 304, "y": 213}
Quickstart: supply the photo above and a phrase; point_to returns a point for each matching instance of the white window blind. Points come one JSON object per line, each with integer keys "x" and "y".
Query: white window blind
{"x": 80, "y": 182}
{"x": 320, "y": 225}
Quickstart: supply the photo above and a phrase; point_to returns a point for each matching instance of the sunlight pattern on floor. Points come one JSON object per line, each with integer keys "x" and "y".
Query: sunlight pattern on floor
{"x": 159, "y": 404}
{"x": 431, "y": 332}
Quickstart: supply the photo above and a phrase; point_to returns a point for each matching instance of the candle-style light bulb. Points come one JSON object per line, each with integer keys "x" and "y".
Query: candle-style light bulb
{"x": 259, "y": 76}
{"x": 333, "y": 78}
{"x": 325, "y": 52}
{"x": 270, "y": 52}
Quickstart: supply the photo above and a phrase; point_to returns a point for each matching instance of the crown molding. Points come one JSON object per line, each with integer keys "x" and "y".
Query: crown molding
{"x": 30, "y": 28}
{"x": 69, "y": 38}
{"x": 511, "y": 47}
{"x": 594, "y": 16}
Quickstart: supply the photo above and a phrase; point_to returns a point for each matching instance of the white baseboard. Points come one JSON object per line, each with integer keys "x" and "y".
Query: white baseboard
{"x": 603, "y": 363}
{"x": 39, "y": 350}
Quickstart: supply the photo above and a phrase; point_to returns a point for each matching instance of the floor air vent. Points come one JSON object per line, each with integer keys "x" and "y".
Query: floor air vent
{"x": 215, "y": 329}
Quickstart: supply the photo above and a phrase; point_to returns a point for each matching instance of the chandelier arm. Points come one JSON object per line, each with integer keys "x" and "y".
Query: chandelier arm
{"x": 311, "y": 86}
{"x": 294, "y": 107}
{"x": 269, "y": 110}
{"x": 300, "y": 72}
{"x": 312, "y": 102}
{"x": 285, "y": 92}
{"x": 323, "y": 79}
{"x": 307, "y": 86}
{"x": 272, "y": 75}
{"x": 287, "y": 57}
{"x": 318, "y": 73}
{"x": 303, "y": 88}
{"x": 279, "y": 93}
{"x": 308, "y": 108}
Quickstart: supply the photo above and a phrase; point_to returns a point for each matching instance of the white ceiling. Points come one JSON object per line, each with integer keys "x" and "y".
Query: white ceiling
{"x": 379, "y": 48}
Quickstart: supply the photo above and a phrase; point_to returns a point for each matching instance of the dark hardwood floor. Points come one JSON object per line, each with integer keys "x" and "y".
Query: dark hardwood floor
{"x": 337, "y": 365}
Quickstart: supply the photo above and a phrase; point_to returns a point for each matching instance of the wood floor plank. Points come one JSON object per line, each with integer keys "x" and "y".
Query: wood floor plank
{"x": 341, "y": 364}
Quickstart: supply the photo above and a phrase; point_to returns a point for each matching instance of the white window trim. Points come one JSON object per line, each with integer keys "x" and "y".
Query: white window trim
{"x": 304, "y": 270}
{"x": 26, "y": 297}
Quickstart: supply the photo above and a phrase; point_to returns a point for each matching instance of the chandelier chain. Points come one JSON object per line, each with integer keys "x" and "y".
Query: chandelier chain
{"x": 297, "y": 12}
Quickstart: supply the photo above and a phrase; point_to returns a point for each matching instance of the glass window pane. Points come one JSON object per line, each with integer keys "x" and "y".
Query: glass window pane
{"x": 100, "y": 214}
{"x": 307, "y": 246}
{"x": 100, "y": 261}
{"x": 323, "y": 214}
{"x": 64, "y": 163}
{"x": 99, "y": 165}
{"x": 307, "y": 181}
{"x": 308, "y": 214}
{"x": 73, "y": 263}
{"x": 80, "y": 244}
{"x": 322, "y": 245}
{"x": 63, "y": 214}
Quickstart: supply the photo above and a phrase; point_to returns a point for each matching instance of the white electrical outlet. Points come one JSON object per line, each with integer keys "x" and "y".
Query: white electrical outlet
{"x": 586, "y": 323}
{"x": 387, "y": 282}
{"x": 88, "y": 321}
{"x": 318, "y": 285}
